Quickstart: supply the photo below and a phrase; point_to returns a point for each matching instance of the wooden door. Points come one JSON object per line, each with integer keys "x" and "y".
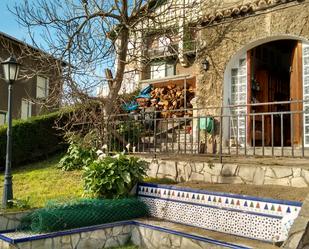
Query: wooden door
{"x": 296, "y": 92}
{"x": 305, "y": 69}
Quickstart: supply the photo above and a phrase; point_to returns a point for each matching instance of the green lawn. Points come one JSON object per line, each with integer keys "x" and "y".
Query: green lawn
{"x": 43, "y": 181}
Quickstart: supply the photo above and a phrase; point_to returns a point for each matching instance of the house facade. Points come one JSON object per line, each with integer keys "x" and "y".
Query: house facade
{"x": 37, "y": 90}
{"x": 249, "y": 60}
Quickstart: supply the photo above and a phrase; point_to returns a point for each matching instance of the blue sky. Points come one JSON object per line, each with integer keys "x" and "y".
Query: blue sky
{"x": 9, "y": 24}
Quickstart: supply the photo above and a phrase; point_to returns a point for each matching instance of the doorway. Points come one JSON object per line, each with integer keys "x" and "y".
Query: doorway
{"x": 272, "y": 68}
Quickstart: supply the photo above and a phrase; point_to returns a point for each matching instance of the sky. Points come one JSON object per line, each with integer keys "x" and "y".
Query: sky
{"x": 8, "y": 22}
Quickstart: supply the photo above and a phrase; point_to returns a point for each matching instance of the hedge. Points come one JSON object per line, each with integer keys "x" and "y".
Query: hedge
{"x": 33, "y": 139}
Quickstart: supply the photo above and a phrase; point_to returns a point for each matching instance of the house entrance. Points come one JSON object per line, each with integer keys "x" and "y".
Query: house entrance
{"x": 272, "y": 80}
{"x": 265, "y": 87}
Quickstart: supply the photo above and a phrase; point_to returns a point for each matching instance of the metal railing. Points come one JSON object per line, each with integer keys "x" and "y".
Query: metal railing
{"x": 263, "y": 129}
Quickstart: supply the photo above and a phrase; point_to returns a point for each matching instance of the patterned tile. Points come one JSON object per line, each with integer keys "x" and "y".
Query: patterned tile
{"x": 222, "y": 212}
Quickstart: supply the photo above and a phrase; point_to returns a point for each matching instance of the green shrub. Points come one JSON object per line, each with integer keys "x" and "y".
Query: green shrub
{"x": 113, "y": 177}
{"x": 33, "y": 139}
{"x": 77, "y": 157}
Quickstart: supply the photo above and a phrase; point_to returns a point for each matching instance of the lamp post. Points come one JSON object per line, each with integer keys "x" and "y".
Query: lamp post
{"x": 11, "y": 70}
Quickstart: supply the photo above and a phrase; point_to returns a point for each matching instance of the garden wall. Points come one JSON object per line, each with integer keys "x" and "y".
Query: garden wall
{"x": 183, "y": 170}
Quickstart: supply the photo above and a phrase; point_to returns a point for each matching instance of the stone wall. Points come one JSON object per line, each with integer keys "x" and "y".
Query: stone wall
{"x": 148, "y": 238}
{"x": 228, "y": 173}
{"x": 221, "y": 42}
{"x": 10, "y": 221}
{"x": 97, "y": 239}
{"x": 299, "y": 232}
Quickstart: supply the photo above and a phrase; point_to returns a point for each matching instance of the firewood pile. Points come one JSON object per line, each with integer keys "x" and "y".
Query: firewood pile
{"x": 169, "y": 98}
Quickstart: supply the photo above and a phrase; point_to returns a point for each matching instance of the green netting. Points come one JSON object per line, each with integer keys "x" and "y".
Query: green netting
{"x": 80, "y": 213}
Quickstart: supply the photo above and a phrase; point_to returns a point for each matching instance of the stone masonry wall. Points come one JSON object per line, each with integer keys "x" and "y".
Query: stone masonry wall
{"x": 299, "y": 232}
{"x": 221, "y": 42}
{"x": 148, "y": 238}
{"x": 10, "y": 221}
{"x": 98, "y": 239}
{"x": 228, "y": 173}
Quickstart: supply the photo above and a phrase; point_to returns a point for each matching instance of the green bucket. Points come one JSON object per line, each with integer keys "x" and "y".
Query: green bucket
{"x": 207, "y": 124}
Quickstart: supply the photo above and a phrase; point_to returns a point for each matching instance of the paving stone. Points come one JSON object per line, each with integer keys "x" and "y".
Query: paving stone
{"x": 66, "y": 239}
{"x": 230, "y": 179}
{"x": 117, "y": 230}
{"x": 296, "y": 172}
{"x": 38, "y": 244}
{"x": 98, "y": 234}
{"x": 199, "y": 167}
{"x": 282, "y": 172}
{"x": 270, "y": 173}
{"x": 75, "y": 239}
{"x": 123, "y": 239}
{"x": 298, "y": 182}
{"x": 196, "y": 177}
{"x": 213, "y": 169}
{"x": 272, "y": 181}
{"x": 207, "y": 177}
{"x": 24, "y": 245}
{"x": 167, "y": 168}
{"x": 188, "y": 243}
{"x": 85, "y": 235}
{"x": 111, "y": 242}
{"x": 229, "y": 170}
{"x": 126, "y": 229}
{"x": 136, "y": 237}
{"x": 90, "y": 244}
{"x": 48, "y": 244}
{"x": 305, "y": 174}
{"x": 259, "y": 176}
{"x": 246, "y": 173}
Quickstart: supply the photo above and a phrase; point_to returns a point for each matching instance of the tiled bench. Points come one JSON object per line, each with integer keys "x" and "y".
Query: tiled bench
{"x": 263, "y": 219}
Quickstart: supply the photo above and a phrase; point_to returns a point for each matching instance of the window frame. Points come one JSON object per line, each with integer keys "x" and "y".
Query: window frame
{"x": 5, "y": 117}
{"x": 45, "y": 89}
{"x": 29, "y": 109}
{"x": 167, "y": 65}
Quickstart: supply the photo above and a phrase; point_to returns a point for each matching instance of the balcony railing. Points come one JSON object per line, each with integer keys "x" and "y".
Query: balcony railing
{"x": 214, "y": 131}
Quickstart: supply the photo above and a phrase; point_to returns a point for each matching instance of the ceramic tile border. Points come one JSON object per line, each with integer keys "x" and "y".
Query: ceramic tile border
{"x": 240, "y": 203}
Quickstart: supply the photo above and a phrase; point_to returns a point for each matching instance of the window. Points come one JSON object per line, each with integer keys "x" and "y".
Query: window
{"x": 26, "y": 109}
{"x": 161, "y": 70}
{"x": 2, "y": 117}
{"x": 42, "y": 87}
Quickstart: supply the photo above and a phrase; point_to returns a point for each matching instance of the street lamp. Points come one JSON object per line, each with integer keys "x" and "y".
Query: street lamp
{"x": 11, "y": 70}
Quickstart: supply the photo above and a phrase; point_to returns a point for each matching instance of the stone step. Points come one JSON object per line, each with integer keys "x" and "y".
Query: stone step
{"x": 144, "y": 233}
{"x": 166, "y": 234}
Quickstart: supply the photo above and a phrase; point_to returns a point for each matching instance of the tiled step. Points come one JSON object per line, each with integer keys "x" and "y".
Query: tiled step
{"x": 252, "y": 217}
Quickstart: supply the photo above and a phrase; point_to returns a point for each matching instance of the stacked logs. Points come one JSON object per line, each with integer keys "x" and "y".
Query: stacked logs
{"x": 169, "y": 98}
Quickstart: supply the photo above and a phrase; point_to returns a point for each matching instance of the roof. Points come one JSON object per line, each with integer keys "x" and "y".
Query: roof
{"x": 19, "y": 42}
{"x": 230, "y": 8}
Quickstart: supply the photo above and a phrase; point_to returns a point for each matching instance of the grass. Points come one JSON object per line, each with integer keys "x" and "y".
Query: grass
{"x": 35, "y": 184}
{"x": 42, "y": 181}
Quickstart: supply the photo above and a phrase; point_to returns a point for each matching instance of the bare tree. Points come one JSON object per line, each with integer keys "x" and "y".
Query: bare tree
{"x": 94, "y": 35}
